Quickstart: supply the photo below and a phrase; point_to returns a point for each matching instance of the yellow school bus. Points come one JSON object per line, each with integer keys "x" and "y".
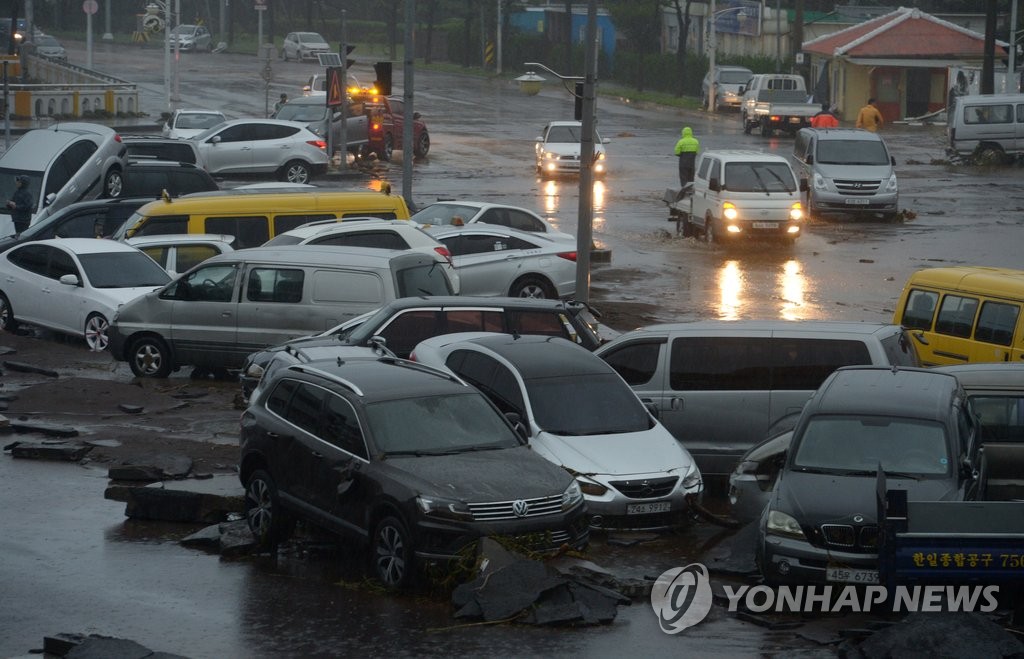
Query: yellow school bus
{"x": 964, "y": 314}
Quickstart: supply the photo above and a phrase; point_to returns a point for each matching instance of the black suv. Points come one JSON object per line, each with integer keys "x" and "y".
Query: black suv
{"x": 407, "y": 458}
{"x": 405, "y": 322}
{"x": 152, "y": 178}
{"x": 152, "y": 147}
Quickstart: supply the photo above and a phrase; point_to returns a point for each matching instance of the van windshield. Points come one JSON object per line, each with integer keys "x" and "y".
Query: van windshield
{"x": 734, "y": 77}
{"x": 851, "y": 152}
{"x": 759, "y": 177}
{"x": 423, "y": 280}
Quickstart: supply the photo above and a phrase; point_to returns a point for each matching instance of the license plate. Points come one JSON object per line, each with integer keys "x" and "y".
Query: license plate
{"x": 858, "y": 202}
{"x": 795, "y": 120}
{"x": 847, "y": 575}
{"x": 766, "y": 225}
{"x": 647, "y": 508}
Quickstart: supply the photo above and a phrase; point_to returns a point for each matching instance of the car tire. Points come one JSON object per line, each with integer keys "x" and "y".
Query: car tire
{"x": 422, "y": 145}
{"x": 703, "y": 101}
{"x": 710, "y": 234}
{"x": 296, "y": 171}
{"x": 766, "y": 129}
{"x": 284, "y": 54}
{"x": 687, "y": 226}
{"x": 113, "y": 183}
{"x": 7, "y": 320}
{"x": 96, "y": 328}
{"x": 388, "y": 149}
{"x": 266, "y": 519}
{"x": 746, "y": 124}
{"x": 533, "y": 286}
{"x": 149, "y": 357}
{"x": 391, "y": 554}
{"x": 990, "y": 155}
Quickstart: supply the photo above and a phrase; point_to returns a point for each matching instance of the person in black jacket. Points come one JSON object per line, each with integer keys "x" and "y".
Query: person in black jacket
{"x": 20, "y": 204}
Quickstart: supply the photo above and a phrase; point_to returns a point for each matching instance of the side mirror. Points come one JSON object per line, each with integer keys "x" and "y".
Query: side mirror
{"x": 50, "y": 198}
{"x": 69, "y": 279}
{"x": 518, "y": 426}
{"x": 714, "y": 185}
{"x": 804, "y": 185}
{"x": 892, "y": 160}
{"x": 809, "y": 159}
{"x": 966, "y": 468}
{"x": 652, "y": 407}
{"x": 741, "y": 89}
{"x": 215, "y": 139}
{"x": 416, "y": 116}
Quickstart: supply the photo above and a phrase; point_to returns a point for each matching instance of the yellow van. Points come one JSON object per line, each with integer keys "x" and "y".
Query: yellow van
{"x": 964, "y": 314}
{"x": 255, "y": 216}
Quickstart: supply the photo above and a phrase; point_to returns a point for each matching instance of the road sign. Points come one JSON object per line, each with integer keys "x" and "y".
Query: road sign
{"x": 90, "y": 7}
{"x": 261, "y": 5}
{"x": 335, "y": 86}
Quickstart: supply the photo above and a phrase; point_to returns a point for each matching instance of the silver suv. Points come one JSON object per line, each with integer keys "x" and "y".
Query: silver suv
{"x": 263, "y": 146}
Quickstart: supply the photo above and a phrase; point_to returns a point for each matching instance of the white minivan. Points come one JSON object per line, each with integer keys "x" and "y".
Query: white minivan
{"x": 740, "y": 194}
{"x": 66, "y": 163}
{"x": 988, "y": 127}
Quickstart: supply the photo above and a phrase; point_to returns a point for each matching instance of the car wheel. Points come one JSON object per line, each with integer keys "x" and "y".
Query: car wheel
{"x": 422, "y": 145}
{"x": 746, "y": 124}
{"x": 269, "y": 524}
{"x": 296, "y": 171}
{"x": 532, "y": 286}
{"x": 96, "y": 337}
{"x": 7, "y": 321}
{"x": 150, "y": 358}
{"x": 687, "y": 226}
{"x": 990, "y": 155}
{"x": 389, "y": 148}
{"x": 766, "y": 129}
{"x": 284, "y": 54}
{"x": 703, "y": 101}
{"x": 391, "y": 554}
{"x": 113, "y": 184}
{"x": 710, "y": 234}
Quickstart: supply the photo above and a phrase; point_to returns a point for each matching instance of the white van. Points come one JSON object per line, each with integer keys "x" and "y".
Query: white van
{"x": 236, "y": 303}
{"x": 722, "y": 386}
{"x": 64, "y": 164}
{"x": 740, "y": 194}
{"x": 849, "y": 171}
{"x": 989, "y": 127}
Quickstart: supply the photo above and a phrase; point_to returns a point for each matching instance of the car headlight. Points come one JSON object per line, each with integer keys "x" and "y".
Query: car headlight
{"x": 820, "y": 182}
{"x": 591, "y": 488}
{"x": 548, "y": 155}
{"x": 572, "y": 495}
{"x": 796, "y": 211}
{"x": 692, "y": 478}
{"x": 729, "y": 211}
{"x": 446, "y": 508}
{"x": 891, "y": 185}
{"x": 780, "y": 523}
{"x": 599, "y": 155}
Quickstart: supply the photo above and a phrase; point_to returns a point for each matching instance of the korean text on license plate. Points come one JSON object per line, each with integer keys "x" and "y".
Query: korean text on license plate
{"x": 766, "y": 225}
{"x": 647, "y": 508}
{"x": 858, "y": 202}
{"x": 850, "y": 575}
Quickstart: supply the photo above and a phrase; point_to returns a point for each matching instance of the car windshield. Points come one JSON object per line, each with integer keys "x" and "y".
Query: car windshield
{"x": 438, "y": 424}
{"x": 861, "y": 443}
{"x": 851, "y": 152}
{"x": 570, "y": 134}
{"x": 599, "y": 404}
{"x": 193, "y": 120}
{"x": 759, "y": 177}
{"x": 184, "y": 30}
{"x": 302, "y": 112}
{"x": 734, "y": 77}
{"x": 444, "y": 214}
{"x": 122, "y": 270}
{"x": 310, "y": 37}
{"x": 47, "y": 40}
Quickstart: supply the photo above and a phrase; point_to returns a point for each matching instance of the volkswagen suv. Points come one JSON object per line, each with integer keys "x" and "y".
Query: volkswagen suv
{"x": 408, "y": 459}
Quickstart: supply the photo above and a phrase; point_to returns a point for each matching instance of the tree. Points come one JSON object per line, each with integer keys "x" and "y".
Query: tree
{"x": 683, "y": 21}
{"x": 640, "y": 21}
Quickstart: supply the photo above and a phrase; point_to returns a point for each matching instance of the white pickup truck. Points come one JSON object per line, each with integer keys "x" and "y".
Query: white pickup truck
{"x": 776, "y": 101}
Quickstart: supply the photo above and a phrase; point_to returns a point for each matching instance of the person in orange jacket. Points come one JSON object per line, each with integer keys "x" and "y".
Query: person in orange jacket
{"x": 869, "y": 117}
{"x": 825, "y": 118}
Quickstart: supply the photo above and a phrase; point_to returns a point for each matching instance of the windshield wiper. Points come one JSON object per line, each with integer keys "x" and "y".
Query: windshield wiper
{"x": 470, "y": 449}
{"x": 888, "y": 474}
{"x": 779, "y": 179}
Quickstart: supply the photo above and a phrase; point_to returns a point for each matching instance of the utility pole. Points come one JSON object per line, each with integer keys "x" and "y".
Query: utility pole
{"x": 343, "y": 132}
{"x": 585, "y": 230}
{"x": 408, "y": 147}
{"x": 988, "y": 60}
{"x": 713, "y": 91}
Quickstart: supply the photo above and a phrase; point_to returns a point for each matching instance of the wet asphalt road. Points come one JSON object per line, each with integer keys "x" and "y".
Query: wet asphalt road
{"x": 73, "y": 563}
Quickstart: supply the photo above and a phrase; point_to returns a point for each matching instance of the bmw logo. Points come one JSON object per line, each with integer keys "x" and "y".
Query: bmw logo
{"x": 520, "y": 508}
{"x": 858, "y": 518}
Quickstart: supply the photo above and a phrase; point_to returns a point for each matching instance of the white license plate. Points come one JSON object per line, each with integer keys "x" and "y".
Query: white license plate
{"x": 647, "y": 508}
{"x": 766, "y": 225}
{"x": 847, "y": 575}
{"x": 858, "y": 202}
{"x": 795, "y": 120}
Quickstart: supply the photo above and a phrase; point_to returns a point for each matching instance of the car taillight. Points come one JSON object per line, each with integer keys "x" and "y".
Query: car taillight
{"x": 443, "y": 251}
{"x": 320, "y": 144}
{"x": 568, "y": 256}
{"x": 117, "y": 137}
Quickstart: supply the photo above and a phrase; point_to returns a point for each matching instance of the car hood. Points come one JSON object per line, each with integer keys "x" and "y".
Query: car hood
{"x": 500, "y": 475}
{"x": 622, "y": 454}
{"x": 184, "y": 133}
{"x": 814, "y": 499}
{"x": 123, "y": 295}
{"x": 877, "y": 172}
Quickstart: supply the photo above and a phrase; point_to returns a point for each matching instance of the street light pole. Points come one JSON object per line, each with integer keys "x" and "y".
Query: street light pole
{"x": 713, "y": 88}
{"x": 177, "y": 50}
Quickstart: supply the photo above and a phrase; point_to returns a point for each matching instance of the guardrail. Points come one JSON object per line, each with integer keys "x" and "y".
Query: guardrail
{"x": 70, "y": 90}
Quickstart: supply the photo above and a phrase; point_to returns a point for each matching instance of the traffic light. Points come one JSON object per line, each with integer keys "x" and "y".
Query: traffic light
{"x": 578, "y": 97}
{"x": 349, "y": 63}
{"x": 383, "y": 81}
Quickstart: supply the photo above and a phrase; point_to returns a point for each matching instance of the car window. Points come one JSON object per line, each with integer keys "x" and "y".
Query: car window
{"x": 602, "y": 404}
{"x": 423, "y": 280}
{"x": 283, "y": 223}
{"x": 248, "y": 230}
{"x": 1001, "y": 416}
{"x": 277, "y": 401}
{"x": 33, "y": 258}
{"x": 236, "y": 133}
{"x": 920, "y": 309}
{"x": 801, "y": 364}
{"x": 275, "y": 285}
{"x": 189, "y": 256}
{"x": 378, "y": 239}
{"x": 705, "y": 164}
{"x": 81, "y": 225}
{"x": 465, "y": 245}
{"x": 635, "y": 362}
{"x": 900, "y": 351}
{"x": 214, "y": 283}
{"x": 720, "y": 364}
{"x": 161, "y": 226}
{"x": 158, "y": 254}
{"x": 956, "y": 316}
{"x": 272, "y": 131}
{"x": 566, "y": 134}
{"x": 865, "y": 443}
{"x": 474, "y": 320}
{"x": 304, "y": 407}
{"x": 409, "y": 328}
{"x": 542, "y": 322}
{"x": 62, "y": 264}
{"x": 60, "y": 173}
{"x": 162, "y": 151}
{"x": 340, "y": 426}
{"x": 346, "y": 286}
{"x": 996, "y": 322}
{"x": 122, "y": 270}
{"x": 524, "y": 221}
{"x": 759, "y": 177}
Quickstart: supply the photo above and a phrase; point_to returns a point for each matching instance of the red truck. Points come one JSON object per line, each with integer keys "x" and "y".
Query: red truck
{"x": 386, "y": 123}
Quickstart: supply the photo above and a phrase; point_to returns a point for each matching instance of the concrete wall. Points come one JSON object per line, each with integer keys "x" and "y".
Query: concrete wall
{"x": 70, "y": 90}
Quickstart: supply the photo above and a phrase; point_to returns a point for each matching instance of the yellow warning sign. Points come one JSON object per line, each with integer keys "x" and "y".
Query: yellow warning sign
{"x": 335, "y": 86}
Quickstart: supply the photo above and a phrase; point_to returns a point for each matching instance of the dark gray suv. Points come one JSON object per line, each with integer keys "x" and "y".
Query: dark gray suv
{"x": 406, "y": 458}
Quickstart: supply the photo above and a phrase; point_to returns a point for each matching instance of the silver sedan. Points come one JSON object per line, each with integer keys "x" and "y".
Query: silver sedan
{"x": 494, "y": 260}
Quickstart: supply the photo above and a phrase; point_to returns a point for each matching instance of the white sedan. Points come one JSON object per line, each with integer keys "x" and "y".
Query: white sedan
{"x": 493, "y": 260}
{"x": 184, "y": 123}
{"x": 459, "y": 213}
{"x": 73, "y": 285}
{"x": 558, "y": 149}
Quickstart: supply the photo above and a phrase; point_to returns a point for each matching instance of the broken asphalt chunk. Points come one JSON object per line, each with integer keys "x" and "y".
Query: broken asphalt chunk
{"x": 157, "y": 468}
{"x": 43, "y": 428}
{"x": 49, "y": 450}
{"x": 22, "y": 367}
{"x": 130, "y": 409}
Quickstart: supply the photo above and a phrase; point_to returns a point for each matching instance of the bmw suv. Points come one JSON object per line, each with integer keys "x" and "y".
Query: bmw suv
{"x": 409, "y": 459}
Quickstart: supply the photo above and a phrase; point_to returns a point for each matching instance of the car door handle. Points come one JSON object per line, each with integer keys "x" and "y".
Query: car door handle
{"x": 677, "y": 404}
{"x": 225, "y": 314}
{"x": 317, "y": 455}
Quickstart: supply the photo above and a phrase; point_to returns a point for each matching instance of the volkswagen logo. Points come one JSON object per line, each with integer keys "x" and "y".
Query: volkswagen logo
{"x": 520, "y": 508}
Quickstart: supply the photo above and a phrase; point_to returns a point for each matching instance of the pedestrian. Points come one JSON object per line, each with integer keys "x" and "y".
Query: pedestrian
{"x": 20, "y": 204}
{"x": 280, "y": 102}
{"x": 869, "y": 117}
{"x": 825, "y": 118}
{"x": 686, "y": 150}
